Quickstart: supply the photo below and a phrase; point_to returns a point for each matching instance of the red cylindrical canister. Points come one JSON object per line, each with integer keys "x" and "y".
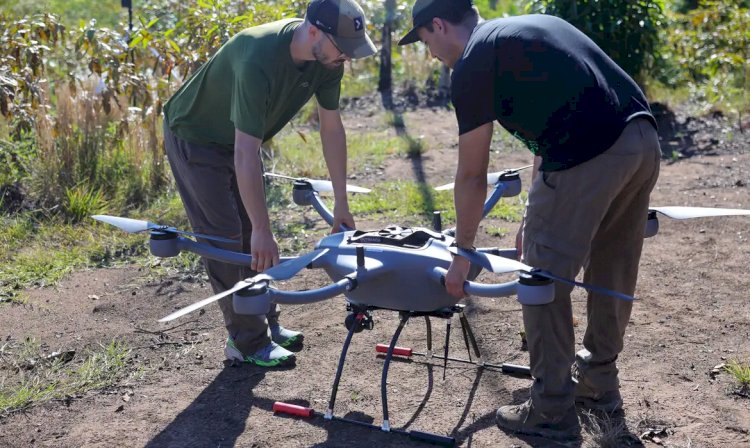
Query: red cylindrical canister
{"x": 292, "y": 409}
{"x": 400, "y": 351}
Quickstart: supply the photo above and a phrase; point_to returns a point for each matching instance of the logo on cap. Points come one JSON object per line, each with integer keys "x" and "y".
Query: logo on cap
{"x": 358, "y": 23}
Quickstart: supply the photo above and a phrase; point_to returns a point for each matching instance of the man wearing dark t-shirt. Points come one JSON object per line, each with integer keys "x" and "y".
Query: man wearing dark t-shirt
{"x": 596, "y": 161}
{"x": 214, "y": 126}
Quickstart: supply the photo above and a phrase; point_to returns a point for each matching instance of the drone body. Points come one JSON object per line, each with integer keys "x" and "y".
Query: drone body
{"x": 399, "y": 261}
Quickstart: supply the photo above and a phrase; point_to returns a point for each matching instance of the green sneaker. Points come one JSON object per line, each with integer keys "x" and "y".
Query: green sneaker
{"x": 285, "y": 337}
{"x": 272, "y": 355}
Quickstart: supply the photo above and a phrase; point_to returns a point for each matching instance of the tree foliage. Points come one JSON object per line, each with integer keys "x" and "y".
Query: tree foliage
{"x": 627, "y": 30}
{"x": 707, "y": 47}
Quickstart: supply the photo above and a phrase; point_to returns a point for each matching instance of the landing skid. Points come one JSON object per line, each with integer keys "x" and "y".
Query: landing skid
{"x": 360, "y": 319}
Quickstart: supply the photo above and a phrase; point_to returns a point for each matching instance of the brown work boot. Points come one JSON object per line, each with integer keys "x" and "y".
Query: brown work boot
{"x": 524, "y": 419}
{"x": 587, "y": 394}
{"x": 588, "y": 398}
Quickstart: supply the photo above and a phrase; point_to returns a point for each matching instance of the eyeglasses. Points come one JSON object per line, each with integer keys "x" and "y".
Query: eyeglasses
{"x": 334, "y": 43}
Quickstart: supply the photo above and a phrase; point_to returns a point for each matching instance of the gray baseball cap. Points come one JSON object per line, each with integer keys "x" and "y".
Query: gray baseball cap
{"x": 424, "y": 11}
{"x": 344, "y": 21}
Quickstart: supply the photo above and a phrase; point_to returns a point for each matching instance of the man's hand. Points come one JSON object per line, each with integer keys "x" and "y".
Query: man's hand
{"x": 264, "y": 249}
{"x": 333, "y": 138}
{"x": 456, "y": 276}
{"x": 341, "y": 215}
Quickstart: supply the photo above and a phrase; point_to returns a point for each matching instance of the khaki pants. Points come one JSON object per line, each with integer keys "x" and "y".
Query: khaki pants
{"x": 591, "y": 216}
{"x": 207, "y": 184}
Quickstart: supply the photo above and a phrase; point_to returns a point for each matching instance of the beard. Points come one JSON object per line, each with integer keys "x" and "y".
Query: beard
{"x": 326, "y": 61}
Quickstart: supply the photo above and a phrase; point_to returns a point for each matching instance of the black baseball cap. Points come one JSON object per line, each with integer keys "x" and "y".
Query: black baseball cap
{"x": 425, "y": 10}
{"x": 344, "y": 21}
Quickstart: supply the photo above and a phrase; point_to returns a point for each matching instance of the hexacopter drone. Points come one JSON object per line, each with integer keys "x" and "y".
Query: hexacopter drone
{"x": 370, "y": 268}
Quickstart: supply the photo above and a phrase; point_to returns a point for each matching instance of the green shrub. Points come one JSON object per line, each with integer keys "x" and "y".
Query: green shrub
{"x": 707, "y": 50}
{"x": 82, "y": 202}
{"x": 627, "y": 30}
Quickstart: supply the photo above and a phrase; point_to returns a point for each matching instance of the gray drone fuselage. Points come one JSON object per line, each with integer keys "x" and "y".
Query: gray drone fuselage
{"x": 397, "y": 262}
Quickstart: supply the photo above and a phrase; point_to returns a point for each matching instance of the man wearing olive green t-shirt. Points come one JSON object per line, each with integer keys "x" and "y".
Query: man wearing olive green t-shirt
{"x": 213, "y": 129}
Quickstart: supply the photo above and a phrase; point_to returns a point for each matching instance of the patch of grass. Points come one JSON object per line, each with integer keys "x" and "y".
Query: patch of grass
{"x": 292, "y": 237}
{"x": 100, "y": 369}
{"x": 741, "y": 373}
{"x": 13, "y": 231}
{"x": 415, "y": 146}
{"x": 673, "y": 97}
{"x": 301, "y": 154}
{"x": 497, "y": 231}
{"x": 604, "y": 430}
{"x": 186, "y": 266}
{"x": 394, "y": 119}
{"x": 410, "y": 203}
{"x": 82, "y": 202}
{"x": 41, "y": 251}
{"x": 29, "y": 378}
{"x": 357, "y": 82}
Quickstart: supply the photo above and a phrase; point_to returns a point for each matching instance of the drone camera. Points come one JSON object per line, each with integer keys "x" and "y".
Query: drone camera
{"x": 364, "y": 323}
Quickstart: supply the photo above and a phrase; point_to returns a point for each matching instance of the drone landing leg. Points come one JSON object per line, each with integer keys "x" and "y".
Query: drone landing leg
{"x": 340, "y": 368}
{"x": 429, "y": 336}
{"x": 465, "y": 325}
{"x": 461, "y": 319}
{"x": 447, "y": 340}
{"x": 384, "y": 380}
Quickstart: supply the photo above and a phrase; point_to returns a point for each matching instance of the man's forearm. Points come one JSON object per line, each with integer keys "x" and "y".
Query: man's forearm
{"x": 249, "y": 172}
{"x": 535, "y": 168}
{"x": 333, "y": 139}
{"x": 470, "y": 187}
{"x": 469, "y": 193}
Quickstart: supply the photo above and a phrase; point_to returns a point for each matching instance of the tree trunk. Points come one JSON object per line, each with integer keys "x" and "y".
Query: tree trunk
{"x": 385, "y": 83}
{"x": 444, "y": 82}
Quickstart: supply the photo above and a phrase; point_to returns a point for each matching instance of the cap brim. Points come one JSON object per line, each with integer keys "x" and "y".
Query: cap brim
{"x": 356, "y": 47}
{"x": 411, "y": 37}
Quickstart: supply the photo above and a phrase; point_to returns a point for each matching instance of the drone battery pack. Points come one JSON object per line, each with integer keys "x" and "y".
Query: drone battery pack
{"x": 293, "y": 409}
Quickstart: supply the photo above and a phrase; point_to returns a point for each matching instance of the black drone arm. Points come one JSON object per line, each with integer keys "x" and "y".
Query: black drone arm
{"x": 308, "y": 196}
{"x": 171, "y": 247}
{"x": 493, "y": 198}
{"x": 528, "y": 289}
{"x": 313, "y": 295}
{"x": 257, "y": 299}
{"x": 479, "y": 289}
{"x": 507, "y": 185}
{"x": 505, "y": 253}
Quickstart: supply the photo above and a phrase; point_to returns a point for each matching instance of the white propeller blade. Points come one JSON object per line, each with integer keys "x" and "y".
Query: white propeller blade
{"x": 283, "y": 271}
{"x": 127, "y": 224}
{"x": 493, "y": 263}
{"x": 698, "y": 212}
{"x": 321, "y": 186}
{"x": 492, "y": 178}
{"x": 325, "y": 186}
{"x": 501, "y": 265}
{"x": 136, "y": 225}
{"x": 445, "y": 187}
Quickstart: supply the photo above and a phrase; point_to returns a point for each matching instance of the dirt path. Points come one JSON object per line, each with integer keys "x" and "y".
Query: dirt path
{"x": 692, "y": 315}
